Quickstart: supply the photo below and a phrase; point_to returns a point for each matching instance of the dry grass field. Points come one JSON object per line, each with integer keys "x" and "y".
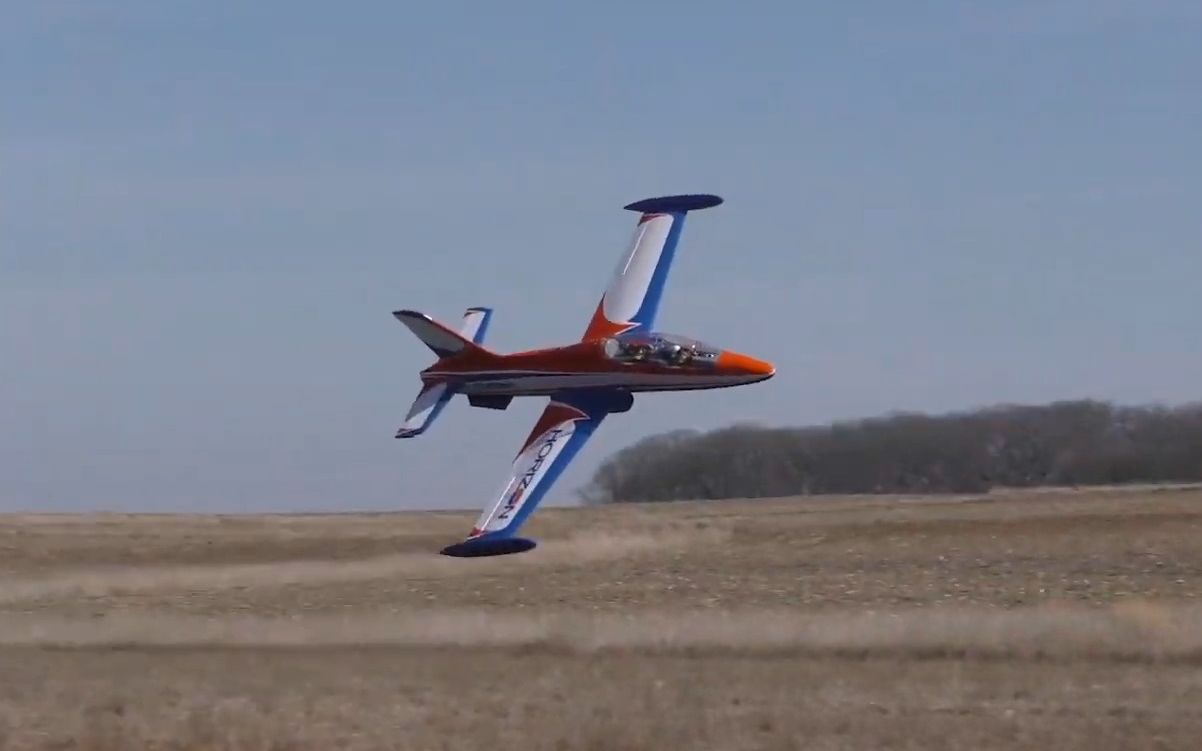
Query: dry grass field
{"x": 1036, "y": 620}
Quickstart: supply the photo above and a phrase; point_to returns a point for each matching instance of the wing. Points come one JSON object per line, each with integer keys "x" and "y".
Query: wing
{"x": 631, "y": 300}
{"x": 564, "y": 426}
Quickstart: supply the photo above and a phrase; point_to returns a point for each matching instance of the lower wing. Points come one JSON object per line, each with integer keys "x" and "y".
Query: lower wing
{"x": 565, "y": 425}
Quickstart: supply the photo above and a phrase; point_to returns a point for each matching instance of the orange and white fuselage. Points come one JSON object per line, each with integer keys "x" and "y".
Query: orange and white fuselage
{"x": 589, "y": 365}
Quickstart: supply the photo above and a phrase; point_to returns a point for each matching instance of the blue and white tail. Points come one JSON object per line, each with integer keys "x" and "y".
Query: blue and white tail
{"x": 443, "y": 342}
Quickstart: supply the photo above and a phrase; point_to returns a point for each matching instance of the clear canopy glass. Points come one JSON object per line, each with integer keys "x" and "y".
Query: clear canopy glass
{"x": 660, "y": 347}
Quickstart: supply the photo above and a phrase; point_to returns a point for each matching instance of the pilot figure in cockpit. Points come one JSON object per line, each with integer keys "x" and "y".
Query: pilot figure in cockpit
{"x": 640, "y": 351}
{"x": 676, "y": 354}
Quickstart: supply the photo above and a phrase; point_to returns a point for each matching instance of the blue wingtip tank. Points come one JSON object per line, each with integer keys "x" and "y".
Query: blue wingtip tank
{"x": 674, "y": 204}
{"x": 486, "y": 546}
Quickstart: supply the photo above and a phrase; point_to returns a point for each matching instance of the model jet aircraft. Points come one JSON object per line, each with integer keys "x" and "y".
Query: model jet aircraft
{"x": 620, "y": 354}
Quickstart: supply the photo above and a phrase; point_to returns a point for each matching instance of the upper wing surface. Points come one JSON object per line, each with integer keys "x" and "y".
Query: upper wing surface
{"x": 631, "y": 300}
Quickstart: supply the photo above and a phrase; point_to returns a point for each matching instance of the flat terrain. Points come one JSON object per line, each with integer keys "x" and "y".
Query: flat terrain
{"x": 1040, "y": 619}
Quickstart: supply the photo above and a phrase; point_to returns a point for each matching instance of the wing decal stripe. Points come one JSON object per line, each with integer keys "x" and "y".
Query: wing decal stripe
{"x": 564, "y": 426}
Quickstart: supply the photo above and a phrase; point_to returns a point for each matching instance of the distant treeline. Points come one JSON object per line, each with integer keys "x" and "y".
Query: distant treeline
{"x": 1064, "y": 443}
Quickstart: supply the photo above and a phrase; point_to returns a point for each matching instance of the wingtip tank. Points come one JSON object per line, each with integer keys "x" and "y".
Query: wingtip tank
{"x": 672, "y": 204}
{"x": 486, "y": 546}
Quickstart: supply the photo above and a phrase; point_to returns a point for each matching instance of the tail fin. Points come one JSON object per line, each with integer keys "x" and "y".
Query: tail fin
{"x": 475, "y": 324}
{"x": 440, "y": 339}
{"x": 433, "y": 397}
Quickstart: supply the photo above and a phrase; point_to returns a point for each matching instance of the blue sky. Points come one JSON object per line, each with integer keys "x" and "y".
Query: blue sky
{"x": 209, "y": 210}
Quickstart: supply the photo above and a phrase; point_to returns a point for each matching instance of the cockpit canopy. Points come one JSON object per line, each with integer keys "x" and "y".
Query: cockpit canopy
{"x": 661, "y": 348}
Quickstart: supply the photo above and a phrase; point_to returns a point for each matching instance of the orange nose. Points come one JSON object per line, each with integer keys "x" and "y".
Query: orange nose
{"x": 735, "y": 363}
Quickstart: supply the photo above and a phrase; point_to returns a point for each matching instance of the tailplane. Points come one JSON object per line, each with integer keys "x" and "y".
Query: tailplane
{"x": 429, "y": 402}
{"x": 443, "y": 342}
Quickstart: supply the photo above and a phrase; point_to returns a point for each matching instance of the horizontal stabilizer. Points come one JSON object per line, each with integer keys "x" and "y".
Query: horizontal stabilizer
{"x": 429, "y": 402}
{"x": 441, "y": 340}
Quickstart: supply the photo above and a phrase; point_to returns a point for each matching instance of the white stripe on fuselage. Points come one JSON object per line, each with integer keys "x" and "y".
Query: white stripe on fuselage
{"x": 526, "y": 383}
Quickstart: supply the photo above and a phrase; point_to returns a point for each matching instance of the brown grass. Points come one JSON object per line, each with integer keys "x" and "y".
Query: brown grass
{"x": 1065, "y": 620}
{"x": 1134, "y": 631}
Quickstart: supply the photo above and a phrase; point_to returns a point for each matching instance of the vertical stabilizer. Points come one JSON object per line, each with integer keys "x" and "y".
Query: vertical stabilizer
{"x": 475, "y": 324}
{"x": 443, "y": 342}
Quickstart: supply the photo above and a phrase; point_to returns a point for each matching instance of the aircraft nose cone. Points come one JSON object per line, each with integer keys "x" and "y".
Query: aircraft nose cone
{"x": 736, "y": 363}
